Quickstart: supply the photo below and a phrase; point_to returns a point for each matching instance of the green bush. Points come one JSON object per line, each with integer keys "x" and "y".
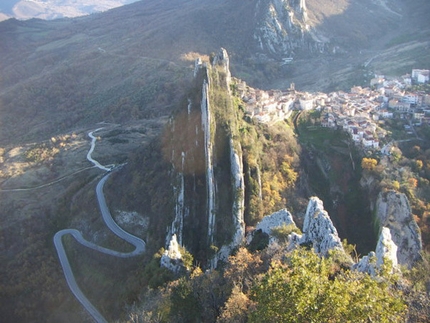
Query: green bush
{"x": 306, "y": 288}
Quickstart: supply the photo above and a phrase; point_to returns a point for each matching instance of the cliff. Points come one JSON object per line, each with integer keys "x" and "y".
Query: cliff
{"x": 283, "y": 29}
{"x": 394, "y": 212}
{"x": 207, "y": 167}
{"x": 318, "y": 229}
{"x": 386, "y": 251}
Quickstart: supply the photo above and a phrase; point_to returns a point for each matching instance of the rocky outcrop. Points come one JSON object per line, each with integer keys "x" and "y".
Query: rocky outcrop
{"x": 238, "y": 206}
{"x": 320, "y": 233}
{"x": 399, "y": 241}
{"x": 222, "y": 61}
{"x": 277, "y": 219}
{"x": 282, "y": 217}
{"x": 318, "y": 229}
{"x": 172, "y": 258}
{"x": 283, "y": 29}
{"x": 386, "y": 249}
{"x": 393, "y": 212}
{"x": 386, "y": 253}
{"x": 180, "y": 208}
{"x": 239, "y": 193}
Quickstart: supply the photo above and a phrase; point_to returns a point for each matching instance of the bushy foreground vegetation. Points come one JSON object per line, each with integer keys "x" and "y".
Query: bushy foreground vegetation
{"x": 273, "y": 285}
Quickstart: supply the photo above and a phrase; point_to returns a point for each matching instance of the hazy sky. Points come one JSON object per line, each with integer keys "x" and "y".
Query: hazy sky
{"x": 51, "y": 9}
{"x": 6, "y": 6}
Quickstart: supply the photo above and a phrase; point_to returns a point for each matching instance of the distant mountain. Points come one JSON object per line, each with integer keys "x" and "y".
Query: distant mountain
{"x": 54, "y": 9}
{"x": 131, "y": 62}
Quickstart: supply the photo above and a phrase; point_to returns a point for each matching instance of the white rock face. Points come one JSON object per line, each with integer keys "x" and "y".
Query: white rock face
{"x": 367, "y": 264}
{"x": 222, "y": 60}
{"x": 318, "y": 229}
{"x": 275, "y": 220}
{"x": 172, "y": 258}
{"x": 239, "y": 194}
{"x": 393, "y": 212}
{"x": 210, "y": 177}
{"x": 197, "y": 65}
{"x": 180, "y": 209}
{"x": 386, "y": 250}
{"x": 284, "y": 28}
{"x": 238, "y": 206}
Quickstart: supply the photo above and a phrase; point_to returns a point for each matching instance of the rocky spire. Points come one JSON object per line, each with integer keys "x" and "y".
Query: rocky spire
{"x": 302, "y": 5}
{"x": 386, "y": 250}
{"x": 172, "y": 258}
{"x": 303, "y": 10}
{"x": 223, "y": 61}
{"x": 318, "y": 229}
{"x": 393, "y": 212}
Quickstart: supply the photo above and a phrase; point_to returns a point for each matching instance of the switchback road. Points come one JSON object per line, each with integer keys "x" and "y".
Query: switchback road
{"x": 138, "y": 243}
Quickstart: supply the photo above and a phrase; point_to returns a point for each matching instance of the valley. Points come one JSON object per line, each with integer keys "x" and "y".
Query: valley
{"x": 131, "y": 73}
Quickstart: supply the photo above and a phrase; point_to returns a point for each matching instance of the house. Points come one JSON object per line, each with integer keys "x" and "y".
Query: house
{"x": 410, "y": 98}
{"x": 399, "y": 106}
{"x": 420, "y": 76}
{"x": 357, "y": 90}
{"x": 354, "y": 134}
{"x": 369, "y": 141}
{"x": 306, "y": 104}
{"x": 407, "y": 79}
{"x": 419, "y": 114}
{"x": 386, "y": 114}
{"x": 376, "y": 81}
{"x": 329, "y": 121}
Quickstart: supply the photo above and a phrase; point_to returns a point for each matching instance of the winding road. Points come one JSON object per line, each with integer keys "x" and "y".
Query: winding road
{"x": 138, "y": 243}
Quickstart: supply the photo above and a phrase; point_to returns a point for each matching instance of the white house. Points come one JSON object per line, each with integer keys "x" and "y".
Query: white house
{"x": 410, "y": 98}
{"x": 420, "y": 76}
{"x": 306, "y": 104}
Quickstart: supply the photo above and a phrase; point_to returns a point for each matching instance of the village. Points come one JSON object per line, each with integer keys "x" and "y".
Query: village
{"x": 361, "y": 112}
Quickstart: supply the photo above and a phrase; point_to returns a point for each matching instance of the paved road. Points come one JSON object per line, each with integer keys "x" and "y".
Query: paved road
{"x": 93, "y": 145}
{"x": 138, "y": 243}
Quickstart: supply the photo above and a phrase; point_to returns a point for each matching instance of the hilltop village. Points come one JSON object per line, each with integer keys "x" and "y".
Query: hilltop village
{"x": 361, "y": 112}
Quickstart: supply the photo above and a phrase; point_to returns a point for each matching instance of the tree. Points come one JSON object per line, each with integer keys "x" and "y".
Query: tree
{"x": 368, "y": 164}
{"x": 236, "y": 308}
{"x": 242, "y": 268}
{"x": 184, "y": 304}
{"x": 307, "y": 289}
{"x": 418, "y": 164}
{"x": 395, "y": 185}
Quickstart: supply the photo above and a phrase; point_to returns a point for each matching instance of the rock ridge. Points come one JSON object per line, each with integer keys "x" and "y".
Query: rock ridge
{"x": 320, "y": 234}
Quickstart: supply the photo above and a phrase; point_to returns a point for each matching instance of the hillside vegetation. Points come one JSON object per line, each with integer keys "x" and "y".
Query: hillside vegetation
{"x": 279, "y": 287}
{"x": 131, "y": 69}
